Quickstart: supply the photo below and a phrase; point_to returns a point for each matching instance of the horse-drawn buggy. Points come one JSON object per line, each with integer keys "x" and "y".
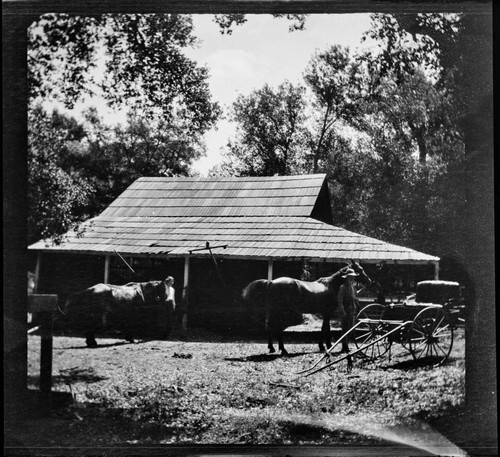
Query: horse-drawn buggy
{"x": 424, "y": 324}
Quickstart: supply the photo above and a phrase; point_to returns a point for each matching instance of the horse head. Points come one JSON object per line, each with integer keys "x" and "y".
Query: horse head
{"x": 362, "y": 276}
{"x": 333, "y": 282}
{"x": 153, "y": 291}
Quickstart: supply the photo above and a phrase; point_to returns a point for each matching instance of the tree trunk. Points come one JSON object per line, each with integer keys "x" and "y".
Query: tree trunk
{"x": 15, "y": 304}
{"x": 422, "y": 147}
{"x": 478, "y": 253}
{"x": 419, "y": 135}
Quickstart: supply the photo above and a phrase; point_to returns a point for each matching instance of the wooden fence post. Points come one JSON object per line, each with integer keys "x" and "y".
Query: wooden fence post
{"x": 46, "y": 360}
{"x": 44, "y": 306}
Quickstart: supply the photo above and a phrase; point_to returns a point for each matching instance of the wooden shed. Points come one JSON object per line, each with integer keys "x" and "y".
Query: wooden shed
{"x": 252, "y": 227}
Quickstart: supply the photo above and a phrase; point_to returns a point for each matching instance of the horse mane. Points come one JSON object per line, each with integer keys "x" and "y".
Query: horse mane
{"x": 330, "y": 280}
{"x": 335, "y": 280}
{"x": 141, "y": 284}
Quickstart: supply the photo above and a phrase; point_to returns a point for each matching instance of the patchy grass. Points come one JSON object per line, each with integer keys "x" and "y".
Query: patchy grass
{"x": 209, "y": 390}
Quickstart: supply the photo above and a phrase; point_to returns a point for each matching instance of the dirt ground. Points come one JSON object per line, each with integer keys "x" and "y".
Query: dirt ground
{"x": 202, "y": 388}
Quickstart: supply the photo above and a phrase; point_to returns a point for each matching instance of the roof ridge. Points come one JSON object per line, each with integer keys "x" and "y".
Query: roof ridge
{"x": 232, "y": 178}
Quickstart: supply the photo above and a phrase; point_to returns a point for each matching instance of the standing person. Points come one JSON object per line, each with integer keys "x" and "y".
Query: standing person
{"x": 167, "y": 308}
{"x": 306, "y": 273}
{"x": 346, "y": 299}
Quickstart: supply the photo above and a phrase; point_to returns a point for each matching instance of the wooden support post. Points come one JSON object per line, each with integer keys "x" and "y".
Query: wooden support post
{"x": 436, "y": 270}
{"x": 37, "y": 271}
{"x": 106, "y": 270}
{"x": 270, "y": 269}
{"x": 185, "y": 294}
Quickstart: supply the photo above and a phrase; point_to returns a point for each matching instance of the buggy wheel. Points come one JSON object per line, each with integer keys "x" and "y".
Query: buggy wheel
{"x": 367, "y": 332}
{"x": 431, "y": 336}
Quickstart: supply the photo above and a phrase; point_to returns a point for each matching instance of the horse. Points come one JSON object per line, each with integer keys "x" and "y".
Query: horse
{"x": 108, "y": 305}
{"x": 283, "y": 301}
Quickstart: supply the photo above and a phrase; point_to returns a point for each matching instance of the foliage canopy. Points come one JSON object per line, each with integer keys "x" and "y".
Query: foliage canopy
{"x": 136, "y": 64}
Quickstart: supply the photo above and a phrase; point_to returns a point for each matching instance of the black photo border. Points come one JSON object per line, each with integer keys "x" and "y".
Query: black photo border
{"x": 17, "y": 15}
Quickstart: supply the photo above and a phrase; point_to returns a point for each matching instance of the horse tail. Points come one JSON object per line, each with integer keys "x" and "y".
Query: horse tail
{"x": 254, "y": 297}
{"x": 255, "y": 292}
{"x": 246, "y": 292}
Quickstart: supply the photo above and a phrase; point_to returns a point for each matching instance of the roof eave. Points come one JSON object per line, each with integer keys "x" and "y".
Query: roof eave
{"x": 329, "y": 259}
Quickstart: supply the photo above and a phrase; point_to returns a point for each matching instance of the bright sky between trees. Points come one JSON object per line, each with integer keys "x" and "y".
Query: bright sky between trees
{"x": 263, "y": 51}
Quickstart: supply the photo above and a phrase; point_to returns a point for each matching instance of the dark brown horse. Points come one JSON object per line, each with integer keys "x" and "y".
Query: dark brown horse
{"x": 111, "y": 306}
{"x": 285, "y": 300}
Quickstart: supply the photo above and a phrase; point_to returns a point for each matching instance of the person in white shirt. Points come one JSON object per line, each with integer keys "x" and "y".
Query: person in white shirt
{"x": 167, "y": 308}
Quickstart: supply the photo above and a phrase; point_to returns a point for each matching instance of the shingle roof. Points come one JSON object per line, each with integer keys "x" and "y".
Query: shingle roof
{"x": 254, "y": 217}
{"x": 208, "y": 197}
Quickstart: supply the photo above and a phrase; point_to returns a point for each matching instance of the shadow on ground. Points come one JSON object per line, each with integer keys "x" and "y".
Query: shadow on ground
{"x": 105, "y": 345}
{"x": 72, "y": 375}
{"x": 407, "y": 365}
{"x": 266, "y": 357}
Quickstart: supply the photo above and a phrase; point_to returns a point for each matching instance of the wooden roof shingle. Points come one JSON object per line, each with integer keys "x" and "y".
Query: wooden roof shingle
{"x": 272, "y": 217}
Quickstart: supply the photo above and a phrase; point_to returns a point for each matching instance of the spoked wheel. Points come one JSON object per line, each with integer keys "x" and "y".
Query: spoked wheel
{"x": 368, "y": 332}
{"x": 431, "y": 336}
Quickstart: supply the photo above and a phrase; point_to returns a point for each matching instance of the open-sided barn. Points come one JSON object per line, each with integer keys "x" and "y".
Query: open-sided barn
{"x": 214, "y": 235}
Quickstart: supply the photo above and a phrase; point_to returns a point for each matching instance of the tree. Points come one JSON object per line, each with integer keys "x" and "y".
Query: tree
{"x": 474, "y": 91}
{"x": 411, "y": 42}
{"x": 268, "y": 140}
{"x": 117, "y": 156}
{"x": 226, "y": 22}
{"x": 335, "y": 81}
{"x": 56, "y": 197}
{"x": 76, "y": 169}
{"x": 131, "y": 60}
{"x": 420, "y": 113}
{"x": 229, "y": 165}
{"x": 462, "y": 54}
{"x": 135, "y": 63}
{"x": 408, "y": 111}
{"x": 385, "y": 171}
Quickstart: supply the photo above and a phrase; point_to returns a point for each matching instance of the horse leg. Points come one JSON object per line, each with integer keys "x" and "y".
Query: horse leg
{"x": 347, "y": 322}
{"x": 128, "y": 324}
{"x": 280, "y": 342}
{"x": 269, "y": 331}
{"x": 270, "y": 345}
{"x": 90, "y": 339}
{"x": 128, "y": 330}
{"x": 93, "y": 325}
{"x": 325, "y": 334}
{"x": 128, "y": 336}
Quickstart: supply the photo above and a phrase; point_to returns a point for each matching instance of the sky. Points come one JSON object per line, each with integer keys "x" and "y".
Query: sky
{"x": 263, "y": 51}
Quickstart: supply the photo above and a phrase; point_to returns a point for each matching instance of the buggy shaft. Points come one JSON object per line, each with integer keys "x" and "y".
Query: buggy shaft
{"x": 327, "y": 353}
{"x": 395, "y": 329}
